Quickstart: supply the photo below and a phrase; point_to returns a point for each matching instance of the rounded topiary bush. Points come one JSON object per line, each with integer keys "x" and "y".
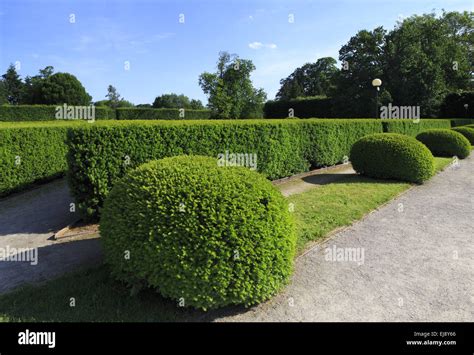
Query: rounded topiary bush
{"x": 392, "y": 156}
{"x": 205, "y": 235}
{"x": 445, "y": 143}
{"x": 467, "y": 132}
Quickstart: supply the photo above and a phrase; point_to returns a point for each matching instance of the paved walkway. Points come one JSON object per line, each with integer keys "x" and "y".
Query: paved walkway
{"x": 418, "y": 262}
{"x": 27, "y": 220}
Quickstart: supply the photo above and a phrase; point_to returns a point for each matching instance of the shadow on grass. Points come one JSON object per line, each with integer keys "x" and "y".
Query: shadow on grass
{"x": 344, "y": 179}
{"x": 98, "y": 298}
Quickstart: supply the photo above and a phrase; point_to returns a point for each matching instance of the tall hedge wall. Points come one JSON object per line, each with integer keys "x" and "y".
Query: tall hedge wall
{"x": 412, "y": 128}
{"x": 101, "y": 153}
{"x": 303, "y": 108}
{"x": 456, "y": 122}
{"x": 31, "y": 152}
{"x": 134, "y": 113}
{"x": 44, "y": 113}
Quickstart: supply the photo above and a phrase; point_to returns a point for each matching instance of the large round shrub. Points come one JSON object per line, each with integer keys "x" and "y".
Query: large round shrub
{"x": 200, "y": 233}
{"x": 392, "y": 156}
{"x": 467, "y": 132}
{"x": 445, "y": 143}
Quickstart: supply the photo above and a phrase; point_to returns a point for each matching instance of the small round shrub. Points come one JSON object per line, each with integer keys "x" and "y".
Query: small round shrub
{"x": 467, "y": 132}
{"x": 445, "y": 143}
{"x": 202, "y": 234}
{"x": 392, "y": 156}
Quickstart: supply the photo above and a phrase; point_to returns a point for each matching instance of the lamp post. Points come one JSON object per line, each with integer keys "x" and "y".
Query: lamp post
{"x": 376, "y": 84}
{"x": 466, "y": 106}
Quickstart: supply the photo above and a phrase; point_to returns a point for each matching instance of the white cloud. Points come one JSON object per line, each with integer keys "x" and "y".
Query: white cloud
{"x": 258, "y": 45}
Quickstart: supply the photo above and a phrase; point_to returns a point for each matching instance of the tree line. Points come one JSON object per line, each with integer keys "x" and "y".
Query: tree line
{"x": 420, "y": 61}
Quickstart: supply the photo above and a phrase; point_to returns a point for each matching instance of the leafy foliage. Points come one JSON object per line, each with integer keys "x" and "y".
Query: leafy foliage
{"x": 12, "y": 85}
{"x": 62, "y": 88}
{"x": 137, "y": 113}
{"x": 98, "y": 153}
{"x": 467, "y": 132}
{"x": 411, "y": 127}
{"x": 177, "y": 101}
{"x": 445, "y": 143}
{"x": 204, "y": 235}
{"x": 44, "y": 113}
{"x": 320, "y": 107}
{"x": 230, "y": 90}
{"x": 312, "y": 79}
{"x": 31, "y": 153}
{"x": 392, "y": 156}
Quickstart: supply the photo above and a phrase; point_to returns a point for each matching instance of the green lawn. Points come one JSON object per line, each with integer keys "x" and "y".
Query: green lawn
{"x": 99, "y": 298}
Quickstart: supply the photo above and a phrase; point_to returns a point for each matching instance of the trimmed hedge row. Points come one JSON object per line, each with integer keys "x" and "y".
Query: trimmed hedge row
{"x": 44, "y": 113}
{"x": 445, "y": 143}
{"x": 48, "y": 113}
{"x": 127, "y": 113}
{"x": 302, "y": 108}
{"x": 32, "y": 153}
{"x": 467, "y": 132}
{"x": 392, "y": 156}
{"x": 456, "y": 122}
{"x": 412, "y": 128}
{"x": 102, "y": 153}
{"x": 205, "y": 234}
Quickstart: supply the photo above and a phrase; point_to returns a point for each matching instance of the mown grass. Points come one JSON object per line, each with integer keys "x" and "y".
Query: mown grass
{"x": 98, "y": 298}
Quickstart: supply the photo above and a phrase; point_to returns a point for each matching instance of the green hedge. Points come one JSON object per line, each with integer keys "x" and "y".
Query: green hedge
{"x": 392, "y": 156}
{"x": 31, "y": 153}
{"x": 445, "y": 143}
{"x": 467, "y": 132}
{"x": 101, "y": 153}
{"x": 303, "y": 108}
{"x": 134, "y": 113}
{"x": 43, "y": 113}
{"x": 456, "y": 122}
{"x": 412, "y": 128}
{"x": 202, "y": 234}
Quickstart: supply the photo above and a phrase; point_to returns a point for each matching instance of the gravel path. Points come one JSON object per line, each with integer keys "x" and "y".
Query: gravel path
{"x": 412, "y": 260}
{"x": 27, "y": 220}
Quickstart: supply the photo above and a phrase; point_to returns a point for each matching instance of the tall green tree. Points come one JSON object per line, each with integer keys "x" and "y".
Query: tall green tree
{"x": 312, "y": 79}
{"x": 33, "y": 85}
{"x": 363, "y": 59}
{"x": 429, "y": 57}
{"x": 230, "y": 91}
{"x": 113, "y": 96}
{"x": 62, "y": 88}
{"x": 13, "y": 85}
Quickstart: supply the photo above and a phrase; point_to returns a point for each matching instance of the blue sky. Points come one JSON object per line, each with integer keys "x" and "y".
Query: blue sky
{"x": 167, "y": 56}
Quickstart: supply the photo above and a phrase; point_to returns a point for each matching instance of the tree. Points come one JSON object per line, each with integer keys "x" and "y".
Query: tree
{"x": 3, "y": 93}
{"x": 230, "y": 90}
{"x": 33, "y": 85}
{"x": 171, "y": 101}
{"x": 196, "y": 105}
{"x": 113, "y": 97}
{"x": 365, "y": 58}
{"x": 312, "y": 79}
{"x": 62, "y": 88}
{"x": 428, "y": 57}
{"x": 12, "y": 85}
